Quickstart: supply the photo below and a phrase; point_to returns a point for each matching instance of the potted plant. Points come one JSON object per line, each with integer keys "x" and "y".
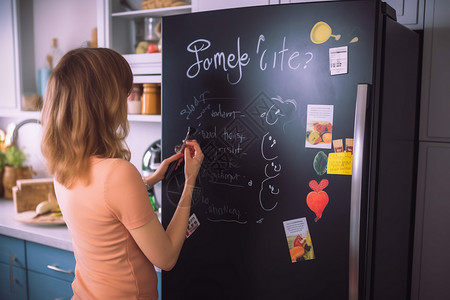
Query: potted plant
{"x": 14, "y": 169}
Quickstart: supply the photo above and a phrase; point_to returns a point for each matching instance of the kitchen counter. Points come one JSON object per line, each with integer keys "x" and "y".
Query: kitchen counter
{"x": 56, "y": 236}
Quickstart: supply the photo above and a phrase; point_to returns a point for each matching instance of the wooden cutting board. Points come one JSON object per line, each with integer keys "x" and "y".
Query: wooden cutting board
{"x": 28, "y": 193}
{"x": 48, "y": 219}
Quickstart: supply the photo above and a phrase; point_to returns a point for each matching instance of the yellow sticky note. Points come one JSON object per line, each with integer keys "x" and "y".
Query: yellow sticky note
{"x": 340, "y": 163}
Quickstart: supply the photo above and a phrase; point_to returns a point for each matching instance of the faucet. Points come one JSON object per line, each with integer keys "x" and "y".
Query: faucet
{"x": 16, "y": 129}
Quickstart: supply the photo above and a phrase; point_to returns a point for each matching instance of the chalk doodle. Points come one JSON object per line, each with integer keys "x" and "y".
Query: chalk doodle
{"x": 279, "y": 110}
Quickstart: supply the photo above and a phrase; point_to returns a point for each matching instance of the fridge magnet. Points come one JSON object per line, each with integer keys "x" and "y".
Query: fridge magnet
{"x": 320, "y": 163}
{"x": 193, "y": 224}
{"x": 317, "y": 200}
{"x": 299, "y": 240}
{"x": 319, "y": 126}
{"x": 338, "y": 145}
{"x": 340, "y": 163}
{"x": 338, "y": 60}
{"x": 349, "y": 145}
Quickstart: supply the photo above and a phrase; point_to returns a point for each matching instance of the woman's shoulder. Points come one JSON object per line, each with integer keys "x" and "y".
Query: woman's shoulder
{"x": 117, "y": 173}
{"x": 113, "y": 165}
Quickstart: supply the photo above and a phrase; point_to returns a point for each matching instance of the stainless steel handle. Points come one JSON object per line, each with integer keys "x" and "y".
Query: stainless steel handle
{"x": 12, "y": 279}
{"x": 355, "y": 201}
{"x": 57, "y": 269}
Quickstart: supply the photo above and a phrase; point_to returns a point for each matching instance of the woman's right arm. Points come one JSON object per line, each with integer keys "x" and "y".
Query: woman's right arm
{"x": 162, "y": 247}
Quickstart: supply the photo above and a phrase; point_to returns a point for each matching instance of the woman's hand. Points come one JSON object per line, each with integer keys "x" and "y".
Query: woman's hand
{"x": 159, "y": 174}
{"x": 193, "y": 157}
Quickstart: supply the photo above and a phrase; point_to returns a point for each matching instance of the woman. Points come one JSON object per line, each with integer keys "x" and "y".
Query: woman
{"x": 117, "y": 238}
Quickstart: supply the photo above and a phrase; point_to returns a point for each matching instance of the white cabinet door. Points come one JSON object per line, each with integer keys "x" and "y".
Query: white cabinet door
{"x": 204, "y": 5}
{"x": 435, "y": 104}
{"x": 8, "y": 60}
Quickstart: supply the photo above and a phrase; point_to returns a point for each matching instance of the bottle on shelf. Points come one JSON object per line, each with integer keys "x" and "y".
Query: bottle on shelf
{"x": 54, "y": 54}
{"x": 151, "y": 99}
{"x": 51, "y": 60}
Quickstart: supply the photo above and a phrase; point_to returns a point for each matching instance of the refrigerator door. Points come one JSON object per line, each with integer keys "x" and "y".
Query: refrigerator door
{"x": 390, "y": 152}
{"x": 268, "y": 89}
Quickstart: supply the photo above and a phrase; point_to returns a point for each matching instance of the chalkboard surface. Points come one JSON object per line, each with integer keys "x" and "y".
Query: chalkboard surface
{"x": 263, "y": 86}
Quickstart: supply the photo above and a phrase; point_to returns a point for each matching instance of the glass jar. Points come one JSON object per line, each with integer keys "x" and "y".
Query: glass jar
{"x": 151, "y": 99}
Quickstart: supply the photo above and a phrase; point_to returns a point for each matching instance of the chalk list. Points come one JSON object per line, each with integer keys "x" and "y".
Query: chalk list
{"x": 240, "y": 130}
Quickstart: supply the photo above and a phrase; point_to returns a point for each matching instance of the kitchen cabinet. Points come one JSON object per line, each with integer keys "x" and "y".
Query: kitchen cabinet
{"x": 33, "y": 271}
{"x": 13, "y": 280}
{"x": 9, "y": 77}
{"x": 435, "y": 107}
{"x": 409, "y": 12}
{"x": 431, "y": 261}
{"x": 50, "y": 272}
{"x": 16, "y": 55}
{"x": 121, "y": 29}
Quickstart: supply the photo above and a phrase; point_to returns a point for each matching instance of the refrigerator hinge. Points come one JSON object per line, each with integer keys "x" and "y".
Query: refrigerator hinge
{"x": 387, "y": 10}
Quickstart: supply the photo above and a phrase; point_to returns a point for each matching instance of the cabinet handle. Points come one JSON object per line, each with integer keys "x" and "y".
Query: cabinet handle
{"x": 12, "y": 280}
{"x": 55, "y": 268}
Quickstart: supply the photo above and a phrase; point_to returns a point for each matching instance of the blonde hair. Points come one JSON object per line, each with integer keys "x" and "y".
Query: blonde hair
{"x": 85, "y": 112}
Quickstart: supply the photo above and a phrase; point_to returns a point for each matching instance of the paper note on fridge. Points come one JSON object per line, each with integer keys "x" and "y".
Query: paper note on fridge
{"x": 338, "y": 60}
{"x": 340, "y": 163}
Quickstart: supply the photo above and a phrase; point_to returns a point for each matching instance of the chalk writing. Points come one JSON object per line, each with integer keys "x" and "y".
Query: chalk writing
{"x": 219, "y": 60}
{"x": 203, "y": 111}
{"x": 224, "y": 213}
{"x": 225, "y": 114}
{"x": 190, "y": 108}
{"x": 284, "y": 57}
{"x": 209, "y": 134}
{"x": 226, "y": 178}
{"x": 230, "y": 135}
{"x": 309, "y": 59}
{"x": 233, "y": 63}
{"x": 229, "y": 221}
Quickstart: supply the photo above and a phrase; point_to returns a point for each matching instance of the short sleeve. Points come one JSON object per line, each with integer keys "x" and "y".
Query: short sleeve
{"x": 126, "y": 195}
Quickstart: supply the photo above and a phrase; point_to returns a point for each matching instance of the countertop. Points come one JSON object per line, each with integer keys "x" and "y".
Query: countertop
{"x": 56, "y": 236}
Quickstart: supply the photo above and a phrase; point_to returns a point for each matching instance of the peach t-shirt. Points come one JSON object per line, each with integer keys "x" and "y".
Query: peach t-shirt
{"x": 109, "y": 264}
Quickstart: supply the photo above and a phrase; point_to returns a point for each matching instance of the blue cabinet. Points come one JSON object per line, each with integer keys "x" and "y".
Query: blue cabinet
{"x": 13, "y": 282}
{"x": 13, "y": 277}
{"x": 44, "y": 287}
{"x": 33, "y": 271}
{"x": 50, "y": 272}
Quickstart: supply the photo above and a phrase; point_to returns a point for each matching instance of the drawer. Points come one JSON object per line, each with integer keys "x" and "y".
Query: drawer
{"x": 12, "y": 249}
{"x": 44, "y": 287}
{"x": 50, "y": 261}
{"x": 13, "y": 282}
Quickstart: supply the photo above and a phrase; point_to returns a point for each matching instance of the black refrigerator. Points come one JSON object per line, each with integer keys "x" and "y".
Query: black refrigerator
{"x": 307, "y": 117}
